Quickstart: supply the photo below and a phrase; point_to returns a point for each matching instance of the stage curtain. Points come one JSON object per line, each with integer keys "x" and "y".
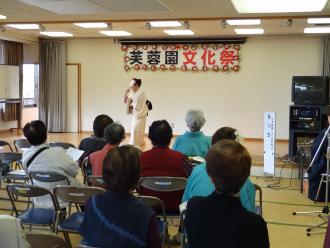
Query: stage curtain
{"x": 326, "y": 56}
{"x": 52, "y": 84}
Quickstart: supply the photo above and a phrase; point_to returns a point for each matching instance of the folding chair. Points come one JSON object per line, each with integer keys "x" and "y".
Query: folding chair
{"x": 77, "y": 196}
{"x": 33, "y": 216}
{"x": 21, "y": 144}
{"x": 85, "y": 167}
{"x": 42, "y": 240}
{"x": 64, "y": 145}
{"x": 258, "y": 207}
{"x": 163, "y": 184}
{"x": 96, "y": 181}
{"x": 85, "y": 246}
{"x": 15, "y": 172}
{"x": 48, "y": 177}
{"x": 5, "y": 144}
{"x": 156, "y": 203}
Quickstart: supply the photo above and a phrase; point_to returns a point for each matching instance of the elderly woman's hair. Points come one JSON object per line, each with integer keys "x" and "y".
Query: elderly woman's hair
{"x": 195, "y": 120}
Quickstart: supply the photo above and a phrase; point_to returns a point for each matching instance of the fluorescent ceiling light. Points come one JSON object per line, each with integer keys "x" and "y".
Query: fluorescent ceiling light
{"x": 57, "y": 34}
{"x": 163, "y": 24}
{"x": 249, "y": 30}
{"x": 321, "y": 30}
{"x": 244, "y": 22}
{"x": 318, "y": 20}
{"x": 116, "y": 33}
{"x": 91, "y": 24}
{"x": 3, "y": 17}
{"x": 23, "y": 26}
{"x": 179, "y": 32}
{"x": 278, "y": 6}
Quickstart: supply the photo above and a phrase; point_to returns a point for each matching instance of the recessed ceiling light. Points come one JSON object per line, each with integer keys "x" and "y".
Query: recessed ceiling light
{"x": 116, "y": 33}
{"x": 278, "y": 6}
{"x": 3, "y": 17}
{"x": 321, "y": 30}
{"x": 57, "y": 34}
{"x": 23, "y": 26}
{"x": 244, "y": 22}
{"x": 163, "y": 24}
{"x": 249, "y": 30}
{"x": 318, "y": 20}
{"x": 179, "y": 32}
{"x": 91, "y": 24}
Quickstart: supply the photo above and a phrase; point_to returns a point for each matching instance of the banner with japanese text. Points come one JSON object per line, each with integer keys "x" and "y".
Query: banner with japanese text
{"x": 195, "y": 57}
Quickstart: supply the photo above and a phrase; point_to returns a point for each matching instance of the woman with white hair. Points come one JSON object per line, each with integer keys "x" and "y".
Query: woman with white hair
{"x": 193, "y": 142}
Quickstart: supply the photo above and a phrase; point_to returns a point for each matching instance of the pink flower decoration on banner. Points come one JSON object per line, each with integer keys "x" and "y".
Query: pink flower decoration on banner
{"x": 145, "y": 47}
{"x": 183, "y": 68}
{"x": 185, "y": 47}
{"x": 173, "y": 47}
{"x": 135, "y": 47}
{"x": 215, "y": 47}
{"x": 172, "y": 68}
{"x": 165, "y": 47}
{"x": 126, "y": 58}
{"x": 215, "y": 68}
{"x": 205, "y": 68}
{"x": 145, "y": 67}
{"x": 194, "y": 68}
{"x": 205, "y": 46}
{"x": 127, "y": 68}
{"x": 137, "y": 67}
{"x": 162, "y": 67}
{"x": 154, "y": 46}
{"x": 236, "y": 68}
{"x": 153, "y": 67}
{"x": 237, "y": 47}
{"x": 225, "y": 68}
{"x": 226, "y": 46}
{"x": 124, "y": 48}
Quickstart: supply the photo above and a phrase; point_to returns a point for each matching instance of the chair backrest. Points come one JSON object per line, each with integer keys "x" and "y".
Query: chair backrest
{"x": 154, "y": 203}
{"x": 96, "y": 181}
{"x": 28, "y": 191}
{"x": 5, "y": 143}
{"x": 77, "y": 195}
{"x": 10, "y": 156}
{"x": 64, "y": 145}
{"x": 259, "y": 207}
{"x": 85, "y": 164}
{"x": 86, "y": 246}
{"x": 21, "y": 143}
{"x": 183, "y": 232}
{"x": 163, "y": 184}
{"x": 48, "y": 177}
{"x": 42, "y": 240}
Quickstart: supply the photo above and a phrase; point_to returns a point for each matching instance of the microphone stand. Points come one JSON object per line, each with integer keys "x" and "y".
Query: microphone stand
{"x": 325, "y": 209}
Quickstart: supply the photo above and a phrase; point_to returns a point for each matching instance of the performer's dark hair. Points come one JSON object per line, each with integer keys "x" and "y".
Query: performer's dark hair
{"x": 138, "y": 81}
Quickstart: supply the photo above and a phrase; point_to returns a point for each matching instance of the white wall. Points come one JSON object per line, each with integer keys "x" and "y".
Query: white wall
{"x": 233, "y": 99}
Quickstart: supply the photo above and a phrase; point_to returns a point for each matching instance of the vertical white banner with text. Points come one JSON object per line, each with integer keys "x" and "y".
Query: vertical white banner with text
{"x": 269, "y": 142}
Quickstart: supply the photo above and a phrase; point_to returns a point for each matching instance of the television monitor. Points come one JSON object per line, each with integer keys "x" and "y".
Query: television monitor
{"x": 310, "y": 90}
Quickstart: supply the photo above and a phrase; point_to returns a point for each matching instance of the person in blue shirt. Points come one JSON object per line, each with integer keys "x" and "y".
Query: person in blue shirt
{"x": 193, "y": 142}
{"x": 199, "y": 183}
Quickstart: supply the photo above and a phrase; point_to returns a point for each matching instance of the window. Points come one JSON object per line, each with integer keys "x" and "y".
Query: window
{"x": 30, "y": 85}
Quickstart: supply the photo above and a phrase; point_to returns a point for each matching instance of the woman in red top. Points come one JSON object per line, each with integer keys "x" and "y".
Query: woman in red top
{"x": 163, "y": 161}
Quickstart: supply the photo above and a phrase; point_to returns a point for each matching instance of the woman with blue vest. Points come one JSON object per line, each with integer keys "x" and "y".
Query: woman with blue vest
{"x": 193, "y": 142}
{"x": 116, "y": 218}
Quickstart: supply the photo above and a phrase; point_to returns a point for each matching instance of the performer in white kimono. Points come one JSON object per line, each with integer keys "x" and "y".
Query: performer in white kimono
{"x": 136, "y": 99}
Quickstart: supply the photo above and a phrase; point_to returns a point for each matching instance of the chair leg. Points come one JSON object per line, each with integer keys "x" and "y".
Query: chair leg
{"x": 67, "y": 239}
{"x": 318, "y": 190}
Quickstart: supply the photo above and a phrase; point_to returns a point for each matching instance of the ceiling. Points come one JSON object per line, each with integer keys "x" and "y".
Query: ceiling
{"x": 130, "y": 15}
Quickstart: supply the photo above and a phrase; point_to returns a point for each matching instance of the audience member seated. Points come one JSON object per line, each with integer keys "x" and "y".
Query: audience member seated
{"x": 193, "y": 142}
{"x": 96, "y": 142}
{"x": 200, "y": 184}
{"x": 220, "y": 220}
{"x": 113, "y": 134}
{"x": 116, "y": 218}
{"x": 42, "y": 158}
{"x": 163, "y": 161}
{"x": 11, "y": 233}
